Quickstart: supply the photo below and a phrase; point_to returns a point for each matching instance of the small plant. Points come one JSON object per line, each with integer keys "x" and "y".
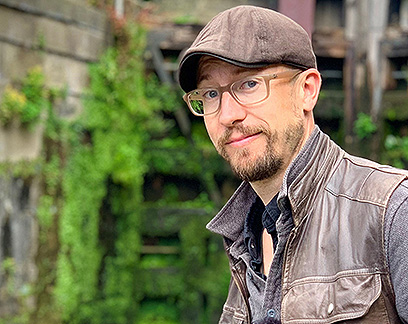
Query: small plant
{"x": 396, "y": 151}
{"x": 364, "y": 126}
{"x": 12, "y": 105}
{"x": 41, "y": 42}
{"x": 24, "y": 105}
{"x": 186, "y": 20}
{"x": 34, "y": 90}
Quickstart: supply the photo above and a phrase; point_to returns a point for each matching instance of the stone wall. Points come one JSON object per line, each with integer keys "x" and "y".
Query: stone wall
{"x": 62, "y": 37}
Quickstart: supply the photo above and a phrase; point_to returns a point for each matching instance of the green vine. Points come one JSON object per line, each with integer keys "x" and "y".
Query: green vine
{"x": 27, "y": 104}
{"x": 97, "y": 281}
{"x": 92, "y": 214}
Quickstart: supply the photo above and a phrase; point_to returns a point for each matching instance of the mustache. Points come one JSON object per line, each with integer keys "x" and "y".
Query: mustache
{"x": 242, "y": 130}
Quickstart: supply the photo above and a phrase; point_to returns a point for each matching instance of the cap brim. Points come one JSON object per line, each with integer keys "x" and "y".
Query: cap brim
{"x": 189, "y": 67}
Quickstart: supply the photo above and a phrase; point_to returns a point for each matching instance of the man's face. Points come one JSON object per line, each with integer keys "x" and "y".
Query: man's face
{"x": 258, "y": 141}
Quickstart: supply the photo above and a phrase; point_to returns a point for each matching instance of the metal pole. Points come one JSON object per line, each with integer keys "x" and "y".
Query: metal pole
{"x": 378, "y": 14}
{"x": 120, "y": 8}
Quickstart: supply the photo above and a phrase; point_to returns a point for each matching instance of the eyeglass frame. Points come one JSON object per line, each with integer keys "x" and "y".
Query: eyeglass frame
{"x": 228, "y": 88}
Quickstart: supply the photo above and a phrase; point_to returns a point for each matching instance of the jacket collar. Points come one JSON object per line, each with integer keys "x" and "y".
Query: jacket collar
{"x": 229, "y": 222}
{"x": 309, "y": 180}
{"x": 304, "y": 176}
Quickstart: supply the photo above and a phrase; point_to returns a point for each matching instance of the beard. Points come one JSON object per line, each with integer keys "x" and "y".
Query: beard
{"x": 268, "y": 164}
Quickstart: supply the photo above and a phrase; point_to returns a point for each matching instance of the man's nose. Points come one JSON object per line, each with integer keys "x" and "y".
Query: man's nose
{"x": 231, "y": 111}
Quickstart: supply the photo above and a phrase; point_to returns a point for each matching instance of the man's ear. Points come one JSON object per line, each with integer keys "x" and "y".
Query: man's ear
{"x": 310, "y": 82}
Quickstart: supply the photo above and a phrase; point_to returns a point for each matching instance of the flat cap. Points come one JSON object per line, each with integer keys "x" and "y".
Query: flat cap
{"x": 248, "y": 36}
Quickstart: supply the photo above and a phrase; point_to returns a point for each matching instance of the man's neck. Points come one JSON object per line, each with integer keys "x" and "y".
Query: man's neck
{"x": 268, "y": 188}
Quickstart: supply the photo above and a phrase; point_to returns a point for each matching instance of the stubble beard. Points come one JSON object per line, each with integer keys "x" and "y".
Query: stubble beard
{"x": 267, "y": 165}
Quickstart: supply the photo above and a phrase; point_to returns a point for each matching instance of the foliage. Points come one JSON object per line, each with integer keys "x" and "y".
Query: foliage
{"x": 18, "y": 293}
{"x": 98, "y": 283}
{"x": 12, "y": 104}
{"x": 27, "y": 104}
{"x": 91, "y": 268}
{"x": 186, "y": 20}
{"x": 396, "y": 151}
{"x": 154, "y": 312}
{"x": 364, "y": 126}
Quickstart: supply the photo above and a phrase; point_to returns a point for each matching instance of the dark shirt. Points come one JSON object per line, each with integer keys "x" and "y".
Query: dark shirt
{"x": 258, "y": 219}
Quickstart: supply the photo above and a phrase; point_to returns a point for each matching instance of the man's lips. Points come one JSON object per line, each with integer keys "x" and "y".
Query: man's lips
{"x": 242, "y": 140}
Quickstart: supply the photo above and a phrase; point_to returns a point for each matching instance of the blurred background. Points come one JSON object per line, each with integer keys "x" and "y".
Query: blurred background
{"x": 106, "y": 179}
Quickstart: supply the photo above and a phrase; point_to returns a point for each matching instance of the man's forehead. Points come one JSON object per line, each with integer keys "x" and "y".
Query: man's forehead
{"x": 207, "y": 65}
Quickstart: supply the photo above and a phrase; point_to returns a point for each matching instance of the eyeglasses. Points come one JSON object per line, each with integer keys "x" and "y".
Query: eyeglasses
{"x": 248, "y": 91}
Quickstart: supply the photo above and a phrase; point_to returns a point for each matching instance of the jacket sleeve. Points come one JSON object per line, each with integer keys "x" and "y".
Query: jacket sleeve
{"x": 396, "y": 245}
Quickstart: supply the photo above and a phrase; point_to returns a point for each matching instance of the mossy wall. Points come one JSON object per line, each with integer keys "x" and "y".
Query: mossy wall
{"x": 106, "y": 254}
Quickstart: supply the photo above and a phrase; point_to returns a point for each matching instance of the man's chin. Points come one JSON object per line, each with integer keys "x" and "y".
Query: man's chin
{"x": 245, "y": 171}
{"x": 241, "y": 160}
{"x": 236, "y": 155}
{"x": 256, "y": 166}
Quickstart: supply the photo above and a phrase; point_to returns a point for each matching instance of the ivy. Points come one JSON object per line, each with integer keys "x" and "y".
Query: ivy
{"x": 12, "y": 105}
{"x": 98, "y": 283}
{"x": 27, "y": 104}
{"x": 92, "y": 213}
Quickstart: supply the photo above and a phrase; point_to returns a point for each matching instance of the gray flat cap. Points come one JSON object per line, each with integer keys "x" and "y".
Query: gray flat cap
{"x": 248, "y": 36}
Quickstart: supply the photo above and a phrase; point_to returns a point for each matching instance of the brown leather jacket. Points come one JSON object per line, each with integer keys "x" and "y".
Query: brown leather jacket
{"x": 335, "y": 268}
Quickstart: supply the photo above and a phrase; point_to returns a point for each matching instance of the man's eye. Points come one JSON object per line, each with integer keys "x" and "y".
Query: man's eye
{"x": 249, "y": 84}
{"x": 210, "y": 94}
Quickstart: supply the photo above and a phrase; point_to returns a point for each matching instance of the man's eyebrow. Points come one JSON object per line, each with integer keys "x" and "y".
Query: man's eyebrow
{"x": 238, "y": 70}
{"x": 202, "y": 77}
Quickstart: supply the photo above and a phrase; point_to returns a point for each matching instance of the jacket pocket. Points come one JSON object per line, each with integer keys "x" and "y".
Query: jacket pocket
{"x": 323, "y": 300}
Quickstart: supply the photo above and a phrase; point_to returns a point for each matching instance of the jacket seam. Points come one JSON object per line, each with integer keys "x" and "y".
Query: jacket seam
{"x": 333, "y": 278}
{"x": 355, "y": 199}
{"x": 364, "y": 182}
{"x": 377, "y": 167}
{"x": 234, "y": 312}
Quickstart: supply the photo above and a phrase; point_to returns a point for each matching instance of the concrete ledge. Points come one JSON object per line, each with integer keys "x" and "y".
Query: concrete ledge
{"x": 61, "y": 10}
{"x": 17, "y": 143}
{"x": 47, "y": 35}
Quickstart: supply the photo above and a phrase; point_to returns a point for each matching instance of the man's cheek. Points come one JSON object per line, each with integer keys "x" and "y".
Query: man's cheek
{"x": 210, "y": 132}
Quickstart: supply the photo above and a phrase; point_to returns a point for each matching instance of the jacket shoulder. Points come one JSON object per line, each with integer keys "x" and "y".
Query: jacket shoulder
{"x": 365, "y": 180}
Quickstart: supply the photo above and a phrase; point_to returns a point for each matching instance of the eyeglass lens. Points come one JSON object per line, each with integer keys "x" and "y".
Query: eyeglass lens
{"x": 246, "y": 91}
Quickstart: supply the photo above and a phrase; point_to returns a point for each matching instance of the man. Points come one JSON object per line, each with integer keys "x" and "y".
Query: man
{"x": 313, "y": 235}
